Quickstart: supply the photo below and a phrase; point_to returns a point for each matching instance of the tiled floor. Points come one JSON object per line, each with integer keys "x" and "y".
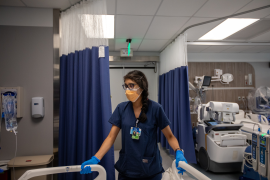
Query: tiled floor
{"x": 167, "y": 162}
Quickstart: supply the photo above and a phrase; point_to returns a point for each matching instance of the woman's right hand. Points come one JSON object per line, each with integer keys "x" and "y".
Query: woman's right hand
{"x": 87, "y": 170}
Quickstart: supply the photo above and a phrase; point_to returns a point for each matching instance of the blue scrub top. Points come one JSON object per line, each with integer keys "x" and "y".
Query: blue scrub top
{"x": 139, "y": 158}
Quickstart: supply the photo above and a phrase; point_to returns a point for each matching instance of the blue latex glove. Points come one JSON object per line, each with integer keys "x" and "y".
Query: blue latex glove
{"x": 87, "y": 170}
{"x": 1, "y": 170}
{"x": 180, "y": 157}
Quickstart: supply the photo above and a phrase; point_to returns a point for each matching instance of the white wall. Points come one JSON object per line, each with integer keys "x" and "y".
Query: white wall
{"x": 262, "y": 73}
{"x": 20, "y": 16}
{"x": 26, "y": 48}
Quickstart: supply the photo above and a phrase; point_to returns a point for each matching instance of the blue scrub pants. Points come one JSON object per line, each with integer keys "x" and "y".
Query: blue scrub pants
{"x": 155, "y": 177}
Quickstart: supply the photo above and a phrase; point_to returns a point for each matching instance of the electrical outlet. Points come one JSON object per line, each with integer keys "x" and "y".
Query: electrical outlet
{"x": 243, "y": 98}
{"x": 239, "y": 98}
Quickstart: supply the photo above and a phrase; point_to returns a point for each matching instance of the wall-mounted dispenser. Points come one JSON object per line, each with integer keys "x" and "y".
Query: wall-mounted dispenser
{"x": 38, "y": 107}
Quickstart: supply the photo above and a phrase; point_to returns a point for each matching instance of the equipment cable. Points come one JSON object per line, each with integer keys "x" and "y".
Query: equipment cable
{"x": 15, "y": 155}
{"x": 247, "y": 157}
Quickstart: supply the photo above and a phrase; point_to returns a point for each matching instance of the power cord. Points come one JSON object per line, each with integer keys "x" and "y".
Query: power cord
{"x": 244, "y": 103}
{"x": 15, "y": 153}
{"x": 212, "y": 92}
{"x": 247, "y": 157}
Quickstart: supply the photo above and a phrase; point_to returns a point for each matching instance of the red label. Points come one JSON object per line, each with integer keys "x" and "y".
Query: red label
{"x": 28, "y": 160}
{"x": 217, "y": 134}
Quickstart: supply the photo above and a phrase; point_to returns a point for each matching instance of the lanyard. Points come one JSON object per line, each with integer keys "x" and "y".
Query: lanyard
{"x": 137, "y": 122}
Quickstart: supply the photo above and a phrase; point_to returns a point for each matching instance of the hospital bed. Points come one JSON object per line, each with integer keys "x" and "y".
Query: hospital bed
{"x": 173, "y": 175}
{"x": 64, "y": 169}
{"x": 251, "y": 124}
{"x": 259, "y": 103}
{"x": 102, "y": 172}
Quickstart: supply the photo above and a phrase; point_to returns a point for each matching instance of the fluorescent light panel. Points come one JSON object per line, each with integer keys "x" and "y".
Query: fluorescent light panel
{"x": 227, "y": 28}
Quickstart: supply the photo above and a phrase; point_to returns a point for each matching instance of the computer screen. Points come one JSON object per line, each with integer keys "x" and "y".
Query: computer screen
{"x": 206, "y": 81}
{"x": 213, "y": 123}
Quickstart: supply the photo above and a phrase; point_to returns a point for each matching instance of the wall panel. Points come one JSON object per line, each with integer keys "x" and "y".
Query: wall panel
{"x": 238, "y": 69}
{"x": 27, "y": 61}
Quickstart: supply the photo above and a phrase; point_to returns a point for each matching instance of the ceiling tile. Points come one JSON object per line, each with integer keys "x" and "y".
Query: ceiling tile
{"x": 196, "y": 49}
{"x": 111, "y": 44}
{"x": 165, "y": 27}
{"x": 251, "y": 31}
{"x": 132, "y": 26}
{"x": 268, "y": 17}
{"x": 111, "y": 7}
{"x": 266, "y": 51}
{"x": 137, "y": 7}
{"x": 74, "y": 1}
{"x": 215, "y": 49}
{"x": 194, "y": 33}
{"x": 179, "y": 7}
{"x": 265, "y": 37}
{"x": 152, "y": 45}
{"x": 236, "y": 49}
{"x": 253, "y": 5}
{"x": 62, "y": 4}
{"x": 121, "y": 43}
{"x": 256, "y": 49}
{"x": 11, "y": 3}
{"x": 220, "y": 8}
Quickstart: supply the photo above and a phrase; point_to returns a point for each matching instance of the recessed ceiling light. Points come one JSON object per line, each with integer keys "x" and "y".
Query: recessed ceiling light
{"x": 227, "y": 28}
{"x": 90, "y": 25}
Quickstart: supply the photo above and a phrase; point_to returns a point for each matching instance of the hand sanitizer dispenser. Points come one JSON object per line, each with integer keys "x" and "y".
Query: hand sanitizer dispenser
{"x": 37, "y": 107}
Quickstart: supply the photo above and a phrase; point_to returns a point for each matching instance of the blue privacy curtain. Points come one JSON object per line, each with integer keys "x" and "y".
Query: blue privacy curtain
{"x": 174, "y": 97}
{"x": 85, "y": 108}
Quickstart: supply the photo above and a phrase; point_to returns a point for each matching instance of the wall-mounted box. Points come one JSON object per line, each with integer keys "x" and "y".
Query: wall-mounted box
{"x": 19, "y": 98}
{"x": 38, "y": 107}
{"x": 124, "y": 52}
{"x": 250, "y": 79}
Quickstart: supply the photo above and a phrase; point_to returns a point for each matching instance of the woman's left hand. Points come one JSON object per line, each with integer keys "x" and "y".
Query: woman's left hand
{"x": 86, "y": 170}
{"x": 180, "y": 157}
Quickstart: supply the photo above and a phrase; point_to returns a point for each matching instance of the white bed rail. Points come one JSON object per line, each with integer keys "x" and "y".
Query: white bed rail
{"x": 197, "y": 174}
{"x": 102, "y": 173}
{"x": 64, "y": 169}
{"x": 258, "y": 124}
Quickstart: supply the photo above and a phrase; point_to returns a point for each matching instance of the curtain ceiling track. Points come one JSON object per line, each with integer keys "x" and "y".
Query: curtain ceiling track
{"x": 218, "y": 19}
{"x": 75, "y": 4}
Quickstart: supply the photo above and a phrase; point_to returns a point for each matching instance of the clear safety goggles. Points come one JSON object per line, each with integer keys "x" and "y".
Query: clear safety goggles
{"x": 129, "y": 86}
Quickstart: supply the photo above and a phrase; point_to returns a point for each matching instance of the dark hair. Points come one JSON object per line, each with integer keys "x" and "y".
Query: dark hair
{"x": 140, "y": 79}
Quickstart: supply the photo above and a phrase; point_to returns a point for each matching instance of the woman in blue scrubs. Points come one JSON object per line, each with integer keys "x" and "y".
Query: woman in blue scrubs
{"x": 139, "y": 119}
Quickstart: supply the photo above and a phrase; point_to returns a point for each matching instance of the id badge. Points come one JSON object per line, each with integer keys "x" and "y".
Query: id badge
{"x": 135, "y": 132}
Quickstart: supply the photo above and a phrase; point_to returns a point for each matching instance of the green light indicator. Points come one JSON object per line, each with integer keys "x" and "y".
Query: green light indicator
{"x": 264, "y": 134}
{"x": 128, "y": 48}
